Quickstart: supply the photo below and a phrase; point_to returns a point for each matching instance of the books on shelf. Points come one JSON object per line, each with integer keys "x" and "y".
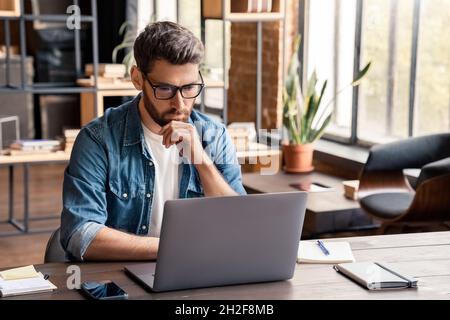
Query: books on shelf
{"x": 106, "y": 70}
{"x": 34, "y": 143}
{"x": 24, "y": 280}
{"x": 34, "y": 146}
{"x": 242, "y": 134}
{"x": 12, "y": 152}
{"x": 70, "y": 136}
{"x": 251, "y": 6}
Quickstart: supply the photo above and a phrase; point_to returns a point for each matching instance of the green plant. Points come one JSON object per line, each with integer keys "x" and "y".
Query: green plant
{"x": 127, "y": 43}
{"x": 301, "y": 116}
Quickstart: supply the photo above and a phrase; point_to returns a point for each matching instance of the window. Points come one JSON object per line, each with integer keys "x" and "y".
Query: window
{"x": 384, "y": 94}
{"x": 330, "y": 53}
{"x": 407, "y": 91}
{"x": 155, "y": 10}
{"x": 432, "y": 94}
{"x": 189, "y": 15}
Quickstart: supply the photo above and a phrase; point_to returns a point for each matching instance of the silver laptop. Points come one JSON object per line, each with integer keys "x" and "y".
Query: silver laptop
{"x": 207, "y": 242}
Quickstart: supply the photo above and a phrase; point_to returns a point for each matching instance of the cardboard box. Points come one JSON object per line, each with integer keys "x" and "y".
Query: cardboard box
{"x": 351, "y": 189}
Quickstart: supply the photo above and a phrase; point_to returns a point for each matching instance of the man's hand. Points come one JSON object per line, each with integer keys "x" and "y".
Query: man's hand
{"x": 185, "y": 136}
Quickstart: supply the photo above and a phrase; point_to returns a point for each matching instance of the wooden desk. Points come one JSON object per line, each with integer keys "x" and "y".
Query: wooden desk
{"x": 327, "y": 211}
{"x": 422, "y": 255}
{"x": 59, "y": 156}
{"x": 259, "y": 158}
{"x": 318, "y": 202}
{"x": 26, "y": 160}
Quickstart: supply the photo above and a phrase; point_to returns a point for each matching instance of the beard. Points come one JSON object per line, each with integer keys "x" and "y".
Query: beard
{"x": 164, "y": 118}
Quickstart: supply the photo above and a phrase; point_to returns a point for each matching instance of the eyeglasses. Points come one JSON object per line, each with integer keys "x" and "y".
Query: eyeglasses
{"x": 167, "y": 91}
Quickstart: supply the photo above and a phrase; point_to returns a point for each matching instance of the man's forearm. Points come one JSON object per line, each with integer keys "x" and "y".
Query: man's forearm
{"x": 110, "y": 244}
{"x": 212, "y": 181}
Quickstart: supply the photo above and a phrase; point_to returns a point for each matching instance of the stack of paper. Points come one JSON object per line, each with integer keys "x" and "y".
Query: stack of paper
{"x": 107, "y": 70}
{"x": 34, "y": 146}
{"x": 23, "y": 280}
{"x": 310, "y": 252}
{"x": 69, "y": 139}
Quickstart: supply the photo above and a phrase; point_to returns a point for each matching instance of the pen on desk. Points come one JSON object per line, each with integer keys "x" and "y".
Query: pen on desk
{"x": 46, "y": 276}
{"x": 322, "y": 247}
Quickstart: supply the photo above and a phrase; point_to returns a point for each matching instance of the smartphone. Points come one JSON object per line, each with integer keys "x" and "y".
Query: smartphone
{"x": 103, "y": 290}
{"x": 311, "y": 187}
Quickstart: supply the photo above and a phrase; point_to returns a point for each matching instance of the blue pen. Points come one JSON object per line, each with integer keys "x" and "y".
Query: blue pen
{"x": 322, "y": 247}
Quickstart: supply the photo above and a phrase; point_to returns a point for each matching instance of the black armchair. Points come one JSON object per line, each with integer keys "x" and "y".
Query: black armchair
{"x": 385, "y": 193}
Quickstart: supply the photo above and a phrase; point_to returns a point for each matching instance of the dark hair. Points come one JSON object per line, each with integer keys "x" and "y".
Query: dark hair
{"x": 169, "y": 41}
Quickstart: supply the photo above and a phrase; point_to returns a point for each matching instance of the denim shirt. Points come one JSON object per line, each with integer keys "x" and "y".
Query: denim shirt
{"x": 110, "y": 180}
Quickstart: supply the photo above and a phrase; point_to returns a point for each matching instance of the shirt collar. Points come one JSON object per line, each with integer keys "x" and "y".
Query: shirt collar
{"x": 133, "y": 129}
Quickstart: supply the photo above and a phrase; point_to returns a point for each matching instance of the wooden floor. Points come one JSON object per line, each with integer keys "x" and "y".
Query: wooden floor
{"x": 45, "y": 199}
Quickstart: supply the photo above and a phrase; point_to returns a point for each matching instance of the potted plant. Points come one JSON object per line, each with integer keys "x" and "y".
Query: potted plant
{"x": 304, "y": 116}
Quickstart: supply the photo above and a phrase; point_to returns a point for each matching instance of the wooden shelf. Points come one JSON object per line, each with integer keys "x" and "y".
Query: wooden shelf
{"x": 212, "y": 9}
{"x": 9, "y": 8}
{"x": 106, "y": 85}
{"x": 35, "y": 158}
{"x": 253, "y": 17}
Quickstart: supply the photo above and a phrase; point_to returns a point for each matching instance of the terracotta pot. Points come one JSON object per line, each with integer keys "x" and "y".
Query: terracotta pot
{"x": 298, "y": 157}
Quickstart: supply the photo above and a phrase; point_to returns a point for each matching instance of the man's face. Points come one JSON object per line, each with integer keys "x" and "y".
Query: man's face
{"x": 162, "y": 74}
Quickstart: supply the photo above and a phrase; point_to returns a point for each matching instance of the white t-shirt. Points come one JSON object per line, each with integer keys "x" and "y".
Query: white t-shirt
{"x": 167, "y": 165}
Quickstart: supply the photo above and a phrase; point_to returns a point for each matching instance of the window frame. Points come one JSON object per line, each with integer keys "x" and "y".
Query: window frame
{"x": 304, "y": 16}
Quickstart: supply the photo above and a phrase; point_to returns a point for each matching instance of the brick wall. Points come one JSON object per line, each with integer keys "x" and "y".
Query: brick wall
{"x": 242, "y": 74}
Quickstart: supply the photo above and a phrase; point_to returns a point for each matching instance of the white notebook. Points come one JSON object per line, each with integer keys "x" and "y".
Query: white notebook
{"x": 376, "y": 275}
{"x": 25, "y": 286}
{"x": 310, "y": 252}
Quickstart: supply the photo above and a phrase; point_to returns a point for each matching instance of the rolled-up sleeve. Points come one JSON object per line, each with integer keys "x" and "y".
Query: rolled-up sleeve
{"x": 82, "y": 238}
{"x": 84, "y": 210}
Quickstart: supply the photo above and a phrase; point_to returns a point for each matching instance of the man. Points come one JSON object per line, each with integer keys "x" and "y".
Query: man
{"x": 126, "y": 164}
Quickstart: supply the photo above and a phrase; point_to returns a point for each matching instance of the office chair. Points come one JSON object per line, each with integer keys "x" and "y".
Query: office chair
{"x": 54, "y": 251}
{"x": 385, "y": 193}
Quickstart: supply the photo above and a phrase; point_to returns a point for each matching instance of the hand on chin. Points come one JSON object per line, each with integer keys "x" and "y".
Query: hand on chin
{"x": 185, "y": 136}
